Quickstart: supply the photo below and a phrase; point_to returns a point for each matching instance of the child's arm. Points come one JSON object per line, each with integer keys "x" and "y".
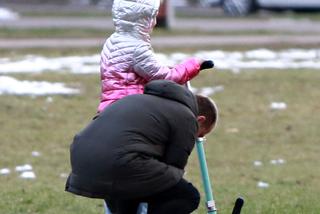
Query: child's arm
{"x": 147, "y": 66}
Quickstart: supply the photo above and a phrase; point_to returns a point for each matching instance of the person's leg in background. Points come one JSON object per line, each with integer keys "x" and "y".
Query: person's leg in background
{"x": 183, "y": 198}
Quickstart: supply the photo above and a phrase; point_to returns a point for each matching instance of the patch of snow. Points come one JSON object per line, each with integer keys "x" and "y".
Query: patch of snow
{"x": 224, "y": 60}
{"x": 9, "y": 85}
{"x": 261, "y": 54}
{"x": 277, "y": 161}
{"x": 38, "y": 64}
{"x": 63, "y": 175}
{"x": 207, "y": 91}
{"x": 6, "y": 14}
{"x": 179, "y": 56}
{"x": 297, "y": 54}
{"x": 262, "y": 184}
{"x": 23, "y": 168}
{"x": 28, "y": 175}
{"x": 278, "y": 105}
{"x": 35, "y": 153}
{"x": 5, "y": 171}
{"x": 257, "y": 163}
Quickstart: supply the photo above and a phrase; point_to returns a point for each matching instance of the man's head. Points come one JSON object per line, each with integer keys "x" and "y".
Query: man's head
{"x": 208, "y": 115}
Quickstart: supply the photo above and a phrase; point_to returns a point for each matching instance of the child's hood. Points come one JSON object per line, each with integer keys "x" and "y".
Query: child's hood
{"x": 135, "y": 17}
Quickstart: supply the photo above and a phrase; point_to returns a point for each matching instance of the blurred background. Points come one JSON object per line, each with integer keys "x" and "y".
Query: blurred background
{"x": 265, "y": 82}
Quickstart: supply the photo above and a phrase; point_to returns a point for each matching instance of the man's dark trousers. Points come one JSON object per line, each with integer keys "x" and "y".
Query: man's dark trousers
{"x": 183, "y": 198}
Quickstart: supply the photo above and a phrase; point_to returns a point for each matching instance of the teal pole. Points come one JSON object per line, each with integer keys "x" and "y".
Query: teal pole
{"x": 211, "y": 207}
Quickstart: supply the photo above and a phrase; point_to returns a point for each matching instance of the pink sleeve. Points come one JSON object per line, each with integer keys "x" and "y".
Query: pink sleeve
{"x": 183, "y": 72}
{"x": 148, "y": 67}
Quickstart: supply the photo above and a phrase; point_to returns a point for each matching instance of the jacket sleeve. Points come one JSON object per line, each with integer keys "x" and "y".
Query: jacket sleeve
{"x": 181, "y": 142}
{"x": 147, "y": 66}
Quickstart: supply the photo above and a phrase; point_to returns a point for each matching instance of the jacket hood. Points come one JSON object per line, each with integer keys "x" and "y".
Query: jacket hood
{"x": 135, "y": 17}
{"x": 173, "y": 91}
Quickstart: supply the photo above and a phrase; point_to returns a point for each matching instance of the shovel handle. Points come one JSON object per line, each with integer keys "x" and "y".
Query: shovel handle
{"x": 211, "y": 206}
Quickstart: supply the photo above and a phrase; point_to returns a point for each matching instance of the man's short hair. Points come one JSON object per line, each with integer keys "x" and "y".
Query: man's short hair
{"x": 208, "y": 108}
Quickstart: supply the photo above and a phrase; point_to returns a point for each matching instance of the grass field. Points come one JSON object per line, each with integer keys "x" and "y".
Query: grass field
{"x": 102, "y": 33}
{"x": 248, "y": 131}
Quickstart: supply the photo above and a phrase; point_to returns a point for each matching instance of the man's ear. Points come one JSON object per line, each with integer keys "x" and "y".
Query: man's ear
{"x": 201, "y": 118}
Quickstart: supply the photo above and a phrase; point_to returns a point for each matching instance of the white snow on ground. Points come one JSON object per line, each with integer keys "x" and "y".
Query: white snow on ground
{"x": 37, "y": 64}
{"x": 26, "y": 171}
{"x": 23, "y": 168}
{"x": 207, "y": 91}
{"x": 35, "y": 153}
{"x": 277, "y": 161}
{"x": 257, "y": 163}
{"x": 262, "y": 184}
{"x": 278, "y": 106}
{"x": 224, "y": 60}
{"x": 235, "y": 61}
{"x": 28, "y": 175}
{"x": 9, "y": 85}
{"x": 63, "y": 175}
{"x": 5, "y": 171}
{"x": 6, "y": 14}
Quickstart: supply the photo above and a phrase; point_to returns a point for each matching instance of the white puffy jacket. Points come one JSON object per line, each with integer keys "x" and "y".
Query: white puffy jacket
{"x": 127, "y": 59}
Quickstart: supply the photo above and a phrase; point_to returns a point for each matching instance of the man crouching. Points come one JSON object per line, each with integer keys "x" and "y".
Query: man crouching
{"x": 137, "y": 148}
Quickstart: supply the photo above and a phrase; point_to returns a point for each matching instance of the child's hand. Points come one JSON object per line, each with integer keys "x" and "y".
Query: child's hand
{"x": 206, "y": 64}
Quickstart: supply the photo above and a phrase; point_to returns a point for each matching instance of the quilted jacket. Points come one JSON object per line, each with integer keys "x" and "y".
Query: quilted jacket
{"x": 128, "y": 61}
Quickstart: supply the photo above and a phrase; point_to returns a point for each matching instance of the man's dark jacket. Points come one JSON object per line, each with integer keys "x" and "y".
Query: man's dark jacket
{"x": 136, "y": 147}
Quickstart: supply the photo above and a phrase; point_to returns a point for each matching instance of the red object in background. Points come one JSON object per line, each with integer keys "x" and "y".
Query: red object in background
{"x": 162, "y": 15}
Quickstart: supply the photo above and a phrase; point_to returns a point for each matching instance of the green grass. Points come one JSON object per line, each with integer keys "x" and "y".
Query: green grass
{"x": 298, "y": 15}
{"x": 44, "y": 33}
{"x": 6, "y": 33}
{"x": 31, "y": 123}
{"x": 66, "y": 13}
{"x": 53, "y": 33}
{"x": 265, "y": 135}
